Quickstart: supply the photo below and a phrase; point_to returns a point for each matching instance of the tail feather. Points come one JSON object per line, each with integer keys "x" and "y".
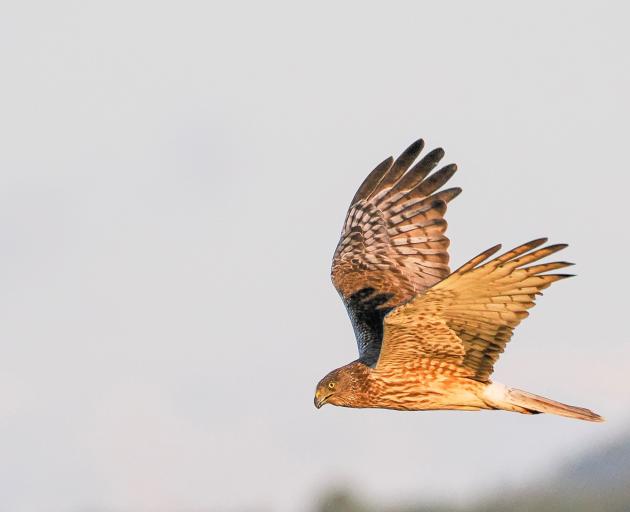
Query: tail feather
{"x": 541, "y": 404}
{"x": 517, "y": 400}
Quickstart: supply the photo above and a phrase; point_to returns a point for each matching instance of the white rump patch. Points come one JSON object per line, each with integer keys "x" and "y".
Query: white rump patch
{"x": 496, "y": 393}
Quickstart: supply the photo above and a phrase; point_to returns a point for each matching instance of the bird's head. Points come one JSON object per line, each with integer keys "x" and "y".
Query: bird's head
{"x": 340, "y": 387}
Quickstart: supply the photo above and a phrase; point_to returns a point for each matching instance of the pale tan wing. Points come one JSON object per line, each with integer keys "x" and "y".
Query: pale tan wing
{"x": 393, "y": 236}
{"x": 480, "y": 304}
{"x": 411, "y": 335}
{"x": 392, "y": 244}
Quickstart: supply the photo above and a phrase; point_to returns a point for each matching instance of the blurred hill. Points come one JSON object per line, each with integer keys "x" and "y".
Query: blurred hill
{"x": 598, "y": 481}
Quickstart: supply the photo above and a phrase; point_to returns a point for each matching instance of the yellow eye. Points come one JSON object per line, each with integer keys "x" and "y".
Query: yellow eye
{"x": 331, "y": 385}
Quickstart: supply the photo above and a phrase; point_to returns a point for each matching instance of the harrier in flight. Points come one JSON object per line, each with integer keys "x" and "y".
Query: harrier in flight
{"x": 428, "y": 339}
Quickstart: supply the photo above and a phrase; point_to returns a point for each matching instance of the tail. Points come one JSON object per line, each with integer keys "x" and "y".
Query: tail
{"x": 511, "y": 399}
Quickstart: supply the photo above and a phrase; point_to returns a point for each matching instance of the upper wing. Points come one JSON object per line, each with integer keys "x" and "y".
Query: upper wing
{"x": 392, "y": 245}
{"x": 469, "y": 317}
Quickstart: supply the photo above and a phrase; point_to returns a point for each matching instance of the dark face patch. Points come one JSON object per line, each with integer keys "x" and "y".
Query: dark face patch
{"x": 366, "y": 314}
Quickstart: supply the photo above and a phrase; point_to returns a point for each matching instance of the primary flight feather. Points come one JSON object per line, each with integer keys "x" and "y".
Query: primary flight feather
{"x": 428, "y": 338}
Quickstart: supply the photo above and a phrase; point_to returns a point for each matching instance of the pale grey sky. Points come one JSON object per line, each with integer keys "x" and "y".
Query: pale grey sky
{"x": 174, "y": 177}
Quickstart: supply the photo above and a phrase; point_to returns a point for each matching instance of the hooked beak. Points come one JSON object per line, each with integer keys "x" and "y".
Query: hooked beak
{"x": 320, "y": 400}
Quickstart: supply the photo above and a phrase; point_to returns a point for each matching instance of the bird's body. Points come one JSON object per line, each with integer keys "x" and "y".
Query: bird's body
{"x": 419, "y": 386}
{"x": 428, "y": 338}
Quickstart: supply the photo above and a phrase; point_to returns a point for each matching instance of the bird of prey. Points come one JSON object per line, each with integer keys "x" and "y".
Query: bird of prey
{"x": 428, "y": 339}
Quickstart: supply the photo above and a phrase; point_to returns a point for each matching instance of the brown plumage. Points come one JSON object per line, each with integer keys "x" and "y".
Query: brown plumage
{"x": 428, "y": 338}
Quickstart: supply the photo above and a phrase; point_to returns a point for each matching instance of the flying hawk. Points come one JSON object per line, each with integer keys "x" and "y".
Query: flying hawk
{"x": 428, "y": 338}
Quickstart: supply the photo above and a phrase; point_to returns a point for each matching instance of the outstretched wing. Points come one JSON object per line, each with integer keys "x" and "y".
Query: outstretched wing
{"x": 392, "y": 244}
{"x": 468, "y": 318}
